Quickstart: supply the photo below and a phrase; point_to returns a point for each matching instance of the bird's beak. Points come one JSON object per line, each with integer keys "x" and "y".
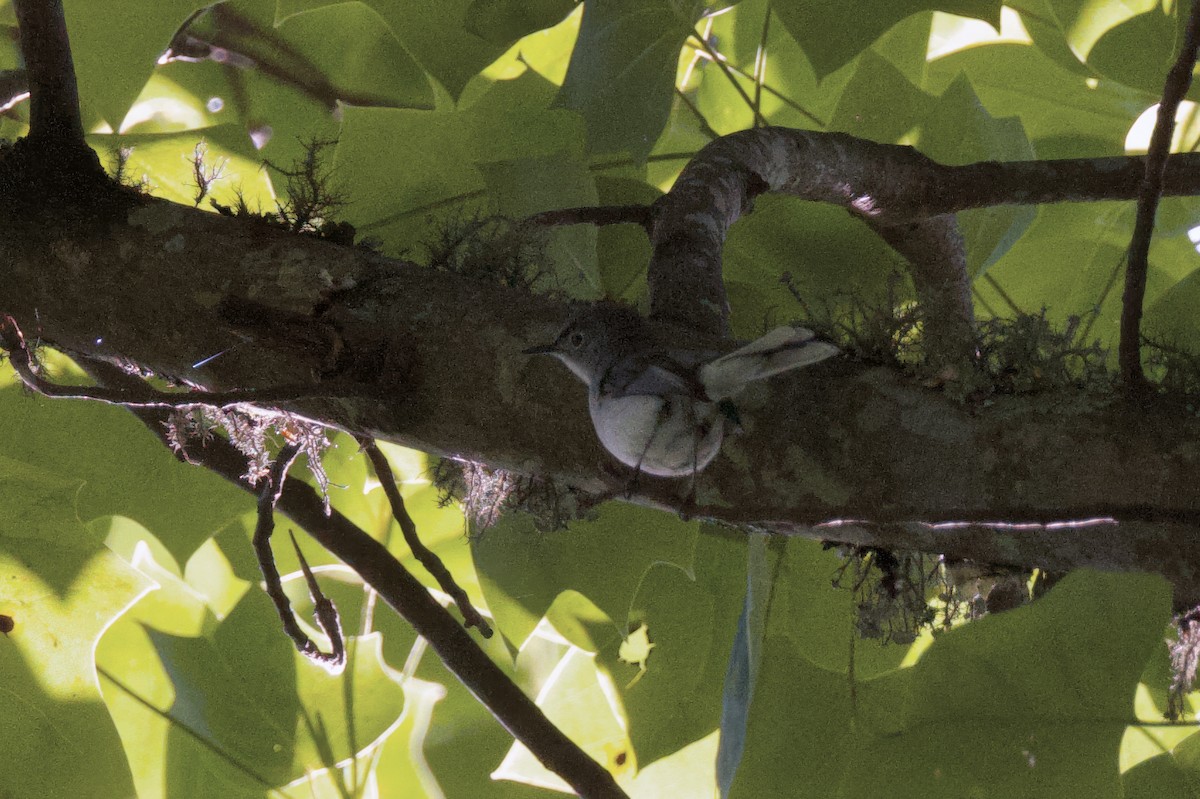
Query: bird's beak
{"x": 541, "y": 349}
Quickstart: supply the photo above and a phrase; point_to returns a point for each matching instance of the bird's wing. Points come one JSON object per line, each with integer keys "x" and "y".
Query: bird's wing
{"x": 780, "y": 350}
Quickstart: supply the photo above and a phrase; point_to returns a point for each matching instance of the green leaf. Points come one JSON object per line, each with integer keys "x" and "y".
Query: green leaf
{"x": 1130, "y": 42}
{"x": 441, "y": 37}
{"x": 352, "y": 47}
{"x": 622, "y": 72}
{"x": 985, "y": 711}
{"x": 879, "y": 103}
{"x": 623, "y": 250}
{"x": 111, "y": 64}
{"x": 830, "y": 255}
{"x": 462, "y": 730}
{"x": 831, "y": 38}
{"x": 789, "y": 603}
{"x": 404, "y": 165}
{"x": 1062, "y": 114}
{"x": 1139, "y": 52}
{"x": 502, "y": 22}
{"x": 62, "y": 589}
{"x": 674, "y": 697}
{"x": 1091, "y": 241}
{"x": 280, "y": 716}
{"x": 523, "y": 570}
{"x": 121, "y": 466}
{"x": 980, "y": 711}
{"x": 575, "y": 702}
{"x": 523, "y": 186}
{"x": 792, "y": 95}
{"x": 1161, "y": 778}
{"x": 959, "y": 130}
{"x": 166, "y": 162}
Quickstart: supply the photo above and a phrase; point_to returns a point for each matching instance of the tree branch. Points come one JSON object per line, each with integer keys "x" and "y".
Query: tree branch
{"x": 405, "y": 594}
{"x": 327, "y": 616}
{"x": 1098, "y": 543}
{"x": 642, "y": 215}
{"x": 1137, "y": 263}
{"x": 427, "y": 557}
{"x": 146, "y": 396}
{"x": 54, "y": 98}
{"x": 839, "y": 441}
{"x": 937, "y": 259}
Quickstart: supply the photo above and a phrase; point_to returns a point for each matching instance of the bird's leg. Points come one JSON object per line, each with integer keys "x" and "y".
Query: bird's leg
{"x": 689, "y": 501}
{"x": 663, "y": 413}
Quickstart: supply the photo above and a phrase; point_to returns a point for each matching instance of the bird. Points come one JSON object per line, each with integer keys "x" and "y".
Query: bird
{"x": 663, "y": 409}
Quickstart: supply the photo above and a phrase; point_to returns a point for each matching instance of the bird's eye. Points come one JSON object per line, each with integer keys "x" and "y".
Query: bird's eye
{"x": 576, "y": 339}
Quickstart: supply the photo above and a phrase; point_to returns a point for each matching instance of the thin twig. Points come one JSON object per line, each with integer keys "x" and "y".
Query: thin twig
{"x": 642, "y": 215}
{"x": 705, "y": 128}
{"x": 383, "y": 572}
{"x": 760, "y": 63}
{"x": 721, "y": 63}
{"x": 1178, "y": 80}
{"x": 427, "y": 557}
{"x": 22, "y": 360}
{"x": 324, "y": 611}
{"x": 326, "y": 614}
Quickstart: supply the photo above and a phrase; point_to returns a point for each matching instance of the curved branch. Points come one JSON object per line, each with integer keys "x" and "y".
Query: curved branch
{"x": 1138, "y": 262}
{"x": 937, "y": 259}
{"x": 720, "y": 184}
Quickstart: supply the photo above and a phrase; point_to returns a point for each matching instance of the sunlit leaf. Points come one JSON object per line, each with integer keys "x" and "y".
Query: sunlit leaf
{"x": 622, "y": 72}
{"x": 111, "y": 64}
{"x": 62, "y": 589}
{"x": 959, "y": 130}
{"x": 604, "y": 560}
{"x": 119, "y": 466}
{"x": 821, "y": 27}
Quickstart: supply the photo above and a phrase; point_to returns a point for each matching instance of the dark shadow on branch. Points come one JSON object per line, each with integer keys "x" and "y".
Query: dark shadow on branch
{"x": 144, "y": 395}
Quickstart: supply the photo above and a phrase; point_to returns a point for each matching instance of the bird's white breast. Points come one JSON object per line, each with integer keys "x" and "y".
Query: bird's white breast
{"x": 660, "y": 435}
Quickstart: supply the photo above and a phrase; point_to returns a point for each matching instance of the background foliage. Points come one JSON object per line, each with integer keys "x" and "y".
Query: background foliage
{"x": 145, "y": 658}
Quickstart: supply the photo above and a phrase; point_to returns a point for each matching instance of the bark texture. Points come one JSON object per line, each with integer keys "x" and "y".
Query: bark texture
{"x": 433, "y": 361}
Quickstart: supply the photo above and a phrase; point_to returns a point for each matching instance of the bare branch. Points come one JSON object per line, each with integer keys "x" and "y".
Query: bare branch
{"x": 380, "y": 569}
{"x": 334, "y": 660}
{"x": 324, "y": 611}
{"x": 1138, "y": 261}
{"x": 598, "y": 215}
{"x": 427, "y": 557}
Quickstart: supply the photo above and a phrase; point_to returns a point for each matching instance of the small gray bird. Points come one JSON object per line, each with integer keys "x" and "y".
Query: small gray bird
{"x": 662, "y": 410}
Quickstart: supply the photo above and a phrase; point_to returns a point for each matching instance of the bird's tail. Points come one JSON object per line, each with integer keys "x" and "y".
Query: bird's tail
{"x": 781, "y": 350}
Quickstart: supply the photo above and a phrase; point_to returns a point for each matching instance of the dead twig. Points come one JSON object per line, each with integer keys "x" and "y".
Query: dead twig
{"x": 642, "y": 215}
{"x": 427, "y": 557}
{"x": 324, "y": 611}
